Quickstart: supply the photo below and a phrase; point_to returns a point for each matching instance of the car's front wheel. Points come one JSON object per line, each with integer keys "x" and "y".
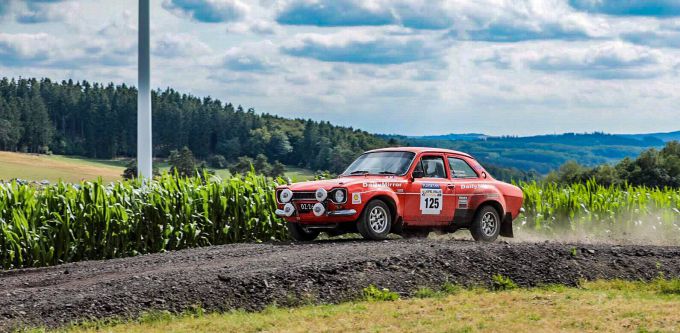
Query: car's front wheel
{"x": 486, "y": 225}
{"x": 376, "y": 221}
{"x": 300, "y": 233}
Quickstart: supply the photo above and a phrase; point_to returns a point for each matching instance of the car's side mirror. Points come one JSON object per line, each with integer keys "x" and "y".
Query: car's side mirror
{"x": 417, "y": 174}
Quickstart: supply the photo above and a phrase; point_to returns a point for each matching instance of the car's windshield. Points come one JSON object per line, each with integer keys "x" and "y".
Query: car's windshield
{"x": 381, "y": 163}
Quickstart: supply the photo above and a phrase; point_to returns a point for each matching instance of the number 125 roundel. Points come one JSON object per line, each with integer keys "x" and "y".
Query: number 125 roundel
{"x": 408, "y": 191}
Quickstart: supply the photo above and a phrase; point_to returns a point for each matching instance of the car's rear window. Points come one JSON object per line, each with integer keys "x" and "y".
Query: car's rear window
{"x": 460, "y": 168}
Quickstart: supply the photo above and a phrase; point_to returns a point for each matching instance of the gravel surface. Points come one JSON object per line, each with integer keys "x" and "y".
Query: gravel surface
{"x": 251, "y": 276}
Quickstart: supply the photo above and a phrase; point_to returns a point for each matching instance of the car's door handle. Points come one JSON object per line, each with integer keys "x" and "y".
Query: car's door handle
{"x": 451, "y": 186}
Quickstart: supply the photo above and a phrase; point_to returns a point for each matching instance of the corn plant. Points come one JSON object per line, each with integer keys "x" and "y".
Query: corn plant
{"x": 91, "y": 220}
{"x": 592, "y": 209}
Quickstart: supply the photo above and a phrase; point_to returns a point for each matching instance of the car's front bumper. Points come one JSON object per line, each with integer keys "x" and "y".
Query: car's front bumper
{"x": 342, "y": 212}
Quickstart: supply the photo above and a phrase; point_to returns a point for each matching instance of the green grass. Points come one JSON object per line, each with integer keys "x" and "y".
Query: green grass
{"x": 299, "y": 174}
{"x": 613, "y": 306}
{"x": 73, "y": 169}
{"x": 295, "y": 174}
{"x": 54, "y": 168}
{"x": 118, "y": 163}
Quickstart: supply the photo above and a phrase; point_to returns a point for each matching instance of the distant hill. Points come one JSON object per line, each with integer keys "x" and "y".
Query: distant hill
{"x": 665, "y": 137}
{"x": 452, "y": 136}
{"x": 543, "y": 153}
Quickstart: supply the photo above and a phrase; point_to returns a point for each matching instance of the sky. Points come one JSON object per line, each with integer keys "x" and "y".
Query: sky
{"x": 413, "y": 67}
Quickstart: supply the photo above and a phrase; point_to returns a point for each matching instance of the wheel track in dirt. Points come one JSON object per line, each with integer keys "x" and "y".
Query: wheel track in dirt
{"x": 252, "y": 276}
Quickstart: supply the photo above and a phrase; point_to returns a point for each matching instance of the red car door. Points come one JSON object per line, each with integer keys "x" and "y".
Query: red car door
{"x": 428, "y": 199}
{"x": 467, "y": 182}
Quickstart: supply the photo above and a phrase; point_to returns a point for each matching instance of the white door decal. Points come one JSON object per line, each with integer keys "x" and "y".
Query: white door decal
{"x": 431, "y": 199}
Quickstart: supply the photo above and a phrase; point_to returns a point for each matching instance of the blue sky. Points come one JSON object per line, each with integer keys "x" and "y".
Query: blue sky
{"x": 402, "y": 66}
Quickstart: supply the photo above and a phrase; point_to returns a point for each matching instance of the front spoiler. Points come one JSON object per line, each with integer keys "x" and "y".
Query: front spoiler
{"x": 344, "y": 212}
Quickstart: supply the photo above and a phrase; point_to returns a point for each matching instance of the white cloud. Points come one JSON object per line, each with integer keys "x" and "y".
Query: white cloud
{"x": 208, "y": 11}
{"x": 170, "y": 45}
{"x": 260, "y": 27}
{"x": 47, "y": 11}
{"x": 25, "y": 49}
{"x": 364, "y": 48}
{"x": 603, "y": 61}
{"x": 433, "y": 66}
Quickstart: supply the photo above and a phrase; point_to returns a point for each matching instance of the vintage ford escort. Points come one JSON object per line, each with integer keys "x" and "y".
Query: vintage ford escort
{"x": 408, "y": 191}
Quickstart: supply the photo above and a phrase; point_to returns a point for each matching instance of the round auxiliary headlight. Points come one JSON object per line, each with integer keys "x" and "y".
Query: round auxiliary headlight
{"x": 318, "y": 209}
{"x": 285, "y": 195}
{"x": 321, "y": 195}
{"x": 339, "y": 196}
{"x": 288, "y": 209}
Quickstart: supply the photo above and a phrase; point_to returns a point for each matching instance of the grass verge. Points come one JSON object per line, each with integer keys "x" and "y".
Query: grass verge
{"x": 613, "y": 306}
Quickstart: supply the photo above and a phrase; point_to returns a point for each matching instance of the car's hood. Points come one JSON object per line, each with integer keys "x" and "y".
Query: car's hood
{"x": 338, "y": 182}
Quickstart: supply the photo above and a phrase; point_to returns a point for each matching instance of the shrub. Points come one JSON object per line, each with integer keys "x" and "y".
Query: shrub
{"x": 217, "y": 161}
{"x": 372, "y": 294}
{"x": 500, "y": 282}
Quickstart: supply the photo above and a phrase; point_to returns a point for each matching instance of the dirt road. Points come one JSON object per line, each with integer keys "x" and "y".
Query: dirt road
{"x": 251, "y": 276}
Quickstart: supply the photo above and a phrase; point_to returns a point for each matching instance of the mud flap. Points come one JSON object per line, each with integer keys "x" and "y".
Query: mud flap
{"x": 398, "y": 226}
{"x": 506, "y": 226}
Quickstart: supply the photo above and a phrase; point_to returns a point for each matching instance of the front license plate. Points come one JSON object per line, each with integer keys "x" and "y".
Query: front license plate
{"x": 305, "y": 207}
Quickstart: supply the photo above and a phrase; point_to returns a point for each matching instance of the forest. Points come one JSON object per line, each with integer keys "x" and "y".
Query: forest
{"x": 99, "y": 121}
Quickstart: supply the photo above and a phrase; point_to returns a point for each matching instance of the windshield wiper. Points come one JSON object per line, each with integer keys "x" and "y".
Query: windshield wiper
{"x": 359, "y": 172}
{"x": 386, "y": 173}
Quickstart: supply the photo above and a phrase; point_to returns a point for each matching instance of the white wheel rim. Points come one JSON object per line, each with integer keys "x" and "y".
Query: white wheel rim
{"x": 377, "y": 219}
{"x": 489, "y": 224}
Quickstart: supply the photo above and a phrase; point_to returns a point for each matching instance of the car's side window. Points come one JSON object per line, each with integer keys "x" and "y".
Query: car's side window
{"x": 432, "y": 167}
{"x": 460, "y": 168}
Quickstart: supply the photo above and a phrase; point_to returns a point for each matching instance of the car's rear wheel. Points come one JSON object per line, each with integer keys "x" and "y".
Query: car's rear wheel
{"x": 486, "y": 225}
{"x": 300, "y": 233}
{"x": 376, "y": 220}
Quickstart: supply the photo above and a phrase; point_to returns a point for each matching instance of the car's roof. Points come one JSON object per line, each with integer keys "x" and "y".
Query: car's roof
{"x": 421, "y": 150}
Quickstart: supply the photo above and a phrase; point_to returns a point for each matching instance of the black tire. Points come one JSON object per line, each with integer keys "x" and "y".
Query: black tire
{"x": 376, "y": 221}
{"x": 486, "y": 225}
{"x": 300, "y": 234}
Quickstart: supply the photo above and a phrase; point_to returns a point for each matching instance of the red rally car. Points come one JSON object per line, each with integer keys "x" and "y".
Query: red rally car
{"x": 408, "y": 191}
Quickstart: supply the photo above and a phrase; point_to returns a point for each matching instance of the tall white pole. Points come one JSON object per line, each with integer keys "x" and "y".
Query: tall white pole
{"x": 144, "y": 153}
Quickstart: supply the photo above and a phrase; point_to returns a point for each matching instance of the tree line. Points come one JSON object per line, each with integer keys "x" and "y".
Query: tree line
{"x": 653, "y": 168}
{"x": 100, "y": 121}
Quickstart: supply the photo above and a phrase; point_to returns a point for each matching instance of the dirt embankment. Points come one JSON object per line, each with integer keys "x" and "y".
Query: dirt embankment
{"x": 251, "y": 276}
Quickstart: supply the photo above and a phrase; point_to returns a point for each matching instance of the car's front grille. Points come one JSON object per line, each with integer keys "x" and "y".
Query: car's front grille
{"x": 304, "y": 196}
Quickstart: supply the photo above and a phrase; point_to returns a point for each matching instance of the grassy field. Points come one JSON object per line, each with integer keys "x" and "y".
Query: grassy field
{"x": 74, "y": 169}
{"x": 295, "y": 174}
{"x": 54, "y": 167}
{"x": 612, "y": 306}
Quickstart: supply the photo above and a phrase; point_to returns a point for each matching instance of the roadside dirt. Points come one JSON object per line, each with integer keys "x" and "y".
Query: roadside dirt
{"x": 252, "y": 276}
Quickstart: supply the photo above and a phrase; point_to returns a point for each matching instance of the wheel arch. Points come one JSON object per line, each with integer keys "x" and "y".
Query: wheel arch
{"x": 392, "y": 202}
{"x": 493, "y": 203}
{"x": 506, "y": 223}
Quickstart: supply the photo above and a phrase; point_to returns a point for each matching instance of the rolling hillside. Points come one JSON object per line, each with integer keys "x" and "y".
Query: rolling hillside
{"x": 544, "y": 153}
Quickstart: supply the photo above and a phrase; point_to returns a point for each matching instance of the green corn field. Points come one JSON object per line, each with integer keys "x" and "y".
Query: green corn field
{"x": 42, "y": 226}
{"x": 626, "y": 212}
{"x": 65, "y": 223}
